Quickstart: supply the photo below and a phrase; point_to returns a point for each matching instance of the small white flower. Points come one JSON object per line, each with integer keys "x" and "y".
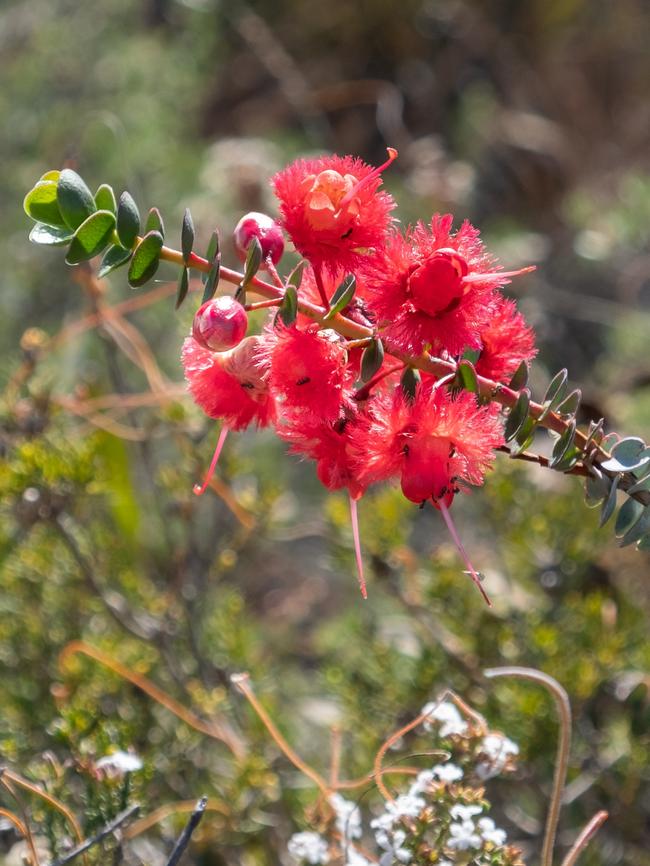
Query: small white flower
{"x": 446, "y": 713}
{"x": 422, "y": 783}
{"x": 447, "y": 772}
{"x": 353, "y": 858}
{"x": 309, "y": 847}
{"x": 464, "y": 813}
{"x": 464, "y": 836}
{"x": 348, "y": 817}
{"x": 497, "y": 749}
{"x": 405, "y": 806}
{"x": 118, "y": 764}
{"x": 490, "y": 832}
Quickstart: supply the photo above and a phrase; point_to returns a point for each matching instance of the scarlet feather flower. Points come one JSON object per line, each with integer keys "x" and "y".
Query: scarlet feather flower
{"x": 329, "y": 445}
{"x": 230, "y": 385}
{"x": 506, "y": 341}
{"x": 435, "y": 288}
{"x": 308, "y": 371}
{"x": 333, "y": 210}
{"x": 432, "y": 443}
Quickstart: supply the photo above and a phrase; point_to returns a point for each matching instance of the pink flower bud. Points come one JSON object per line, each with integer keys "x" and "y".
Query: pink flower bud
{"x": 266, "y": 230}
{"x": 220, "y": 324}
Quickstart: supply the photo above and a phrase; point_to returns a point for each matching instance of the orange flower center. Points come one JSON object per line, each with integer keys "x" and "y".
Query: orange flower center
{"x": 324, "y": 200}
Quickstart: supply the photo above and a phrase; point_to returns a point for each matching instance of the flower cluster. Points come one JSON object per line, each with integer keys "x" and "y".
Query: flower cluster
{"x": 441, "y": 817}
{"x": 359, "y": 407}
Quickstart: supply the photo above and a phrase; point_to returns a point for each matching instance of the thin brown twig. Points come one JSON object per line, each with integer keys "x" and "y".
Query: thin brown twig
{"x": 29, "y": 836}
{"x": 242, "y": 682}
{"x": 563, "y": 747}
{"x": 585, "y": 837}
{"x": 216, "y": 730}
{"x": 162, "y": 812}
{"x": 335, "y": 755}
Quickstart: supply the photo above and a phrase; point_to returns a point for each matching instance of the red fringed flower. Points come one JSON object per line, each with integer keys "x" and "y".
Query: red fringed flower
{"x": 329, "y": 445}
{"x": 506, "y": 341}
{"x": 431, "y": 443}
{"x": 308, "y": 371}
{"x": 333, "y": 210}
{"x": 229, "y": 385}
{"x": 434, "y": 288}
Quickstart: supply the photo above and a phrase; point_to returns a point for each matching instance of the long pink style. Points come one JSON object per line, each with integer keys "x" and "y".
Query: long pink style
{"x": 199, "y": 489}
{"x": 354, "y": 517}
{"x": 459, "y": 544}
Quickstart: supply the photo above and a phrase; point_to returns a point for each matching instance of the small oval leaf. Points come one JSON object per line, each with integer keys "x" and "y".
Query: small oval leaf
{"x": 91, "y": 237}
{"x": 128, "y": 220}
{"x": 105, "y": 198}
{"x": 627, "y": 516}
{"x": 638, "y": 529}
{"x": 212, "y": 283}
{"x": 520, "y": 377}
{"x": 41, "y": 204}
{"x": 212, "y": 254}
{"x": 289, "y": 306}
{"x": 563, "y": 445}
{"x": 341, "y": 297}
{"x": 183, "y": 286}
{"x": 570, "y": 404}
{"x": 554, "y": 393}
{"x": 253, "y": 260}
{"x": 146, "y": 258}
{"x": 596, "y": 489}
{"x": 76, "y": 201}
{"x": 53, "y": 236}
{"x": 155, "y": 222}
{"x": 295, "y": 277}
{"x": 187, "y": 235}
{"x": 466, "y": 376}
{"x": 609, "y": 504}
{"x": 114, "y": 258}
{"x": 371, "y": 360}
{"x": 517, "y": 415}
{"x": 409, "y": 382}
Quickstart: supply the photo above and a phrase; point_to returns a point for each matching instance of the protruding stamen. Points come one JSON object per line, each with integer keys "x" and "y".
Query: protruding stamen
{"x": 481, "y": 278}
{"x": 459, "y": 544}
{"x": 392, "y": 155}
{"x": 354, "y": 517}
{"x": 199, "y": 489}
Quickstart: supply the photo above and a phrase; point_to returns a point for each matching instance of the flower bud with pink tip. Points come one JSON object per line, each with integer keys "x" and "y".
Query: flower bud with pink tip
{"x": 220, "y": 324}
{"x": 265, "y": 229}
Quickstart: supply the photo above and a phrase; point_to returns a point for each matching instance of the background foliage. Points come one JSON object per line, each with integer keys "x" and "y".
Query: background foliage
{"x": 530, "y": 119}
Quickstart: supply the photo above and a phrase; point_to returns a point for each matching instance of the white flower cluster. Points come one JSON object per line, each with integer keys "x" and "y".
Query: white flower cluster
{"x": 446, "y": 773}
{"x": 465, "y": 834}
{"x": 118, "y": 764}
{"x": 389, "y": 835}
{"x": 308, "y": 847}
{"x": 446, "y": 715}
{"x": 348, "y": 817}
{"x": 496, "y": 749}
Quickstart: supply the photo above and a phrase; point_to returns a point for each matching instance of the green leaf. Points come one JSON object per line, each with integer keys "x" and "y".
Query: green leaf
{"x": 569, "y": 460}
{"x": 569, "y": 406}
{"x": 341, "y": 297}
{"x": 114, "y": 258}
{"x": 183, "y": 286}
{"x": 471, "y": 355}
{"x": 627, "y": 516}
{"x": 187, "y": 235}
{"x": 554, "y": 393}
{"x": 642, "y": 484}
{"x": 295, "y": 277}
{"x": 128, "y": 220}
{"x": 46, "y": 235}
{"x": 524, "y": 437}
{"x": 466, "y": 376}
{"x": 91, "y": 237}
{"x": 627, "y": 454}
{"x": 146, "y": 259}
{"x": 371, "y": 360}
{"x": 212, "y": 283}
{"x": 212, "y": 254}
{"x": 41, "y": 204}
{"x": 53, "y": 174}
{"x": 563, "y": 445}
{"x": 76, "y": 201}
{"x": 517, "y": 415}
{"x": 253, "y": 261}
{"x": 155, "y": 222}
{"x": 595, "y": 433}
{"x": 289, "y": 307}
{"x": 596, "y": 489}
{"x": 638, "y": 529}
{"x": 644, "y": 542}
{"x": 520, "y": 377}
{"x": 105, "y": 198}
{"x": 609, "y": 504}
{"x": 409, "y": 382}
